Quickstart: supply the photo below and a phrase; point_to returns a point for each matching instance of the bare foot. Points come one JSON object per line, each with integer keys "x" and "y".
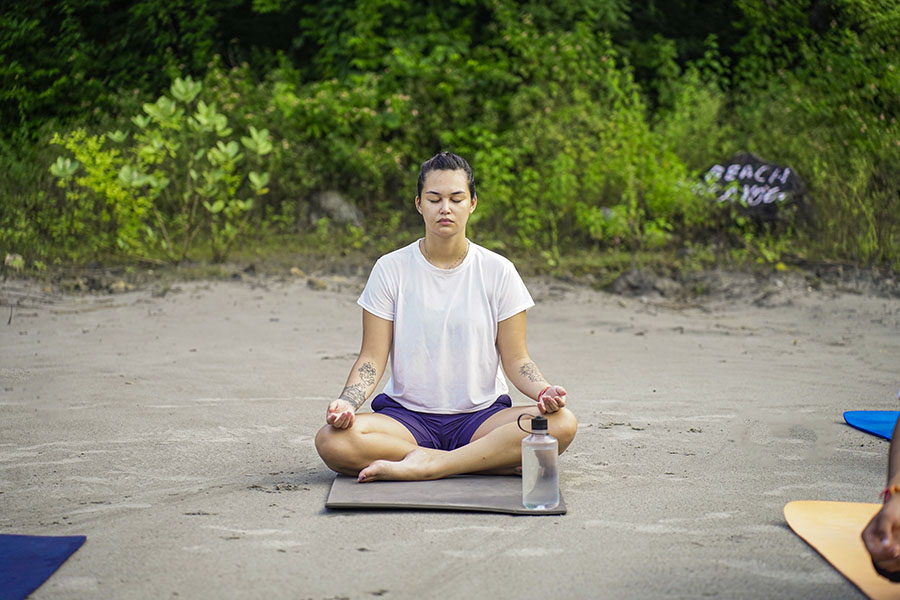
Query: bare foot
{"x": 418, "y": 465}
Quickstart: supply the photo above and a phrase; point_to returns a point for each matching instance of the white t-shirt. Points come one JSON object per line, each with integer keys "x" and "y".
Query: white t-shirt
{"x": 444, "y": 356}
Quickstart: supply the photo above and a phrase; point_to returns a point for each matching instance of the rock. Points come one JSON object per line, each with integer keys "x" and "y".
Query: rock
{"x": 634, "y": 283}
{"x": 298, "y": 272}
{"x": 14, "y": 261}
{"x": 317, "y": 284}
{"x": 338, "y": 209}
{"x": 764, "y": 191}
{"x": 74, "y": 284}
{"x": 667, "y": 287}
{"x": 120, "y": 287}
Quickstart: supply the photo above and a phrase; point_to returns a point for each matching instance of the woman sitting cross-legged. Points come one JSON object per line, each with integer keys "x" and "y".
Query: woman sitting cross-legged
{"x": 450, "y": 314}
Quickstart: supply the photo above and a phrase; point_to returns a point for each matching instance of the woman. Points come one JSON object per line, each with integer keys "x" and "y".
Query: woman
{"x": 448, "y": 312}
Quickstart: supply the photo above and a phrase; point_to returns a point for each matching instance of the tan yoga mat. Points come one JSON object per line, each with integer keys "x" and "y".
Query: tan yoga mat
{"x": 833, "y": 529}
{"x": 484, "y": 493}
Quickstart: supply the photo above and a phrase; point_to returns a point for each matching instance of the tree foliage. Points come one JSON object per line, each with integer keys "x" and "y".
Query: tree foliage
{"x": 587, "y": 121}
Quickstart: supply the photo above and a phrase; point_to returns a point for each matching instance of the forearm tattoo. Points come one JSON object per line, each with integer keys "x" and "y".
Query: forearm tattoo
{"x": 530, "y": 371}
{"x": 356, "y": 394}
{"x": 367, "y": 373}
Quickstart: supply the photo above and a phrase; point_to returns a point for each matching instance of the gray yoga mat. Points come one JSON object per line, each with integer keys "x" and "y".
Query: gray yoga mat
{"x": 485, "y": 493}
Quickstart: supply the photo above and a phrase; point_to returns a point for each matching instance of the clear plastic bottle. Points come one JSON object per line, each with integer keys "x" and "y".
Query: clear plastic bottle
{"x": 540, "y": 475}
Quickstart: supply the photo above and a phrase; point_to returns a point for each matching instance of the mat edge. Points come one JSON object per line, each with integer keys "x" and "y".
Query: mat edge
{"x": 445, "y": 507}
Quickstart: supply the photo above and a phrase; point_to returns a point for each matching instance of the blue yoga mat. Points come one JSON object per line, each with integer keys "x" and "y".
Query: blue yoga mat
{"x": 877, "y": 422}
{"x": 27, "y": 561}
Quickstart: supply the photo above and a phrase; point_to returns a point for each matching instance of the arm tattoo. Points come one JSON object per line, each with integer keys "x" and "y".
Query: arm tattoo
{"x": 367, "y": 373}
{"x": 356, "y": 394}
{"x": 530, "y": 371}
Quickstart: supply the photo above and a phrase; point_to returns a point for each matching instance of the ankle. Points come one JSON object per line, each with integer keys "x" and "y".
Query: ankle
{"x": 428, "y": 463}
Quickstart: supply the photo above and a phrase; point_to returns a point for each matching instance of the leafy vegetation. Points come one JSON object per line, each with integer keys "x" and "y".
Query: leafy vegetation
{"x": 181, "y": 175}
{"x": 185, "y": 130}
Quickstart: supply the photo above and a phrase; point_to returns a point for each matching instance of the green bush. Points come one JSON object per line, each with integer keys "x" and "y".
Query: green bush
{"x": 579, "y": 164}
{"x": 587, "y": 123}
{"x": 182, "y": 174}
{"x": 834, "y": 119}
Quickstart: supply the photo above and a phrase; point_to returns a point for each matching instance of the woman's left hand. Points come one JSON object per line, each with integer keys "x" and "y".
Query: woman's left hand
{"x": 552, "y": 400}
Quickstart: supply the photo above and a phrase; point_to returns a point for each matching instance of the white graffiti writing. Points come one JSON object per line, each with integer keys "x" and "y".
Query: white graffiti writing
{"x": 753, "y": 185}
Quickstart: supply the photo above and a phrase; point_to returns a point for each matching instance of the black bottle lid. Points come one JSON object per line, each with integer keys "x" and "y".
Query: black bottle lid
{"x": 539, "y": 424}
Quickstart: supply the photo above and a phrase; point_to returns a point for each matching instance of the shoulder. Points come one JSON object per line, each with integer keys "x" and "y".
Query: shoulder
{"x": 490, "y": 257}
{"x": 504, "y": 284}
{"x": 397, "y": 259}
{"x": 386, "y": 282}
{"x": 493, "y": 262}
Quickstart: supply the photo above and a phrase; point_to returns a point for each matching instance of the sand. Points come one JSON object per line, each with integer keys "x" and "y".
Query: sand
{"x": 174, "y": 428}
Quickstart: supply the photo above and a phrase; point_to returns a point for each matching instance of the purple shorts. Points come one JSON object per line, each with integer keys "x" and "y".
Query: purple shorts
{"x": 441, "y": 432}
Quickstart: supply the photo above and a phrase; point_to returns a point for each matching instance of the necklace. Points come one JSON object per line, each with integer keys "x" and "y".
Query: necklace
{"x": 455, "y": 262}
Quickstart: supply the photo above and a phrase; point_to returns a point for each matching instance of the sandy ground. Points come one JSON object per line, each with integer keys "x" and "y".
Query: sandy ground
{"x": 175, "y": 430}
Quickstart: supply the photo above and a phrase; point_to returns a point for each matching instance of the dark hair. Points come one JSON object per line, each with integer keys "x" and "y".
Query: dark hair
{"x": 446, "y": 161}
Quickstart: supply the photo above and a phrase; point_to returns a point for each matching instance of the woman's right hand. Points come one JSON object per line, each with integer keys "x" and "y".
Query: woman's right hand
{"x": 340, "y": 414}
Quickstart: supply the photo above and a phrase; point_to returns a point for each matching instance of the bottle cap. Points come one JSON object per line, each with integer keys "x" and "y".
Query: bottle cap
{"x": 539, "y": 424}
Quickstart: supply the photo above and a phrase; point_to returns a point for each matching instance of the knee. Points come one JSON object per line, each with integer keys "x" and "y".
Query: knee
{"x": 324, "y": 440}
{"x": 564, "y": 427}
{"x": 332, "y": 446}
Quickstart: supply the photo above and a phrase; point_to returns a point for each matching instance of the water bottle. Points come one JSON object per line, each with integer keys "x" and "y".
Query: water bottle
{"x": 540, "y": 476}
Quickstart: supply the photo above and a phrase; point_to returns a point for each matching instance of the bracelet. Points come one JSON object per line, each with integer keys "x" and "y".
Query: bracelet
{"x": 544, "y": 391}
{"x": 889, "y": 491}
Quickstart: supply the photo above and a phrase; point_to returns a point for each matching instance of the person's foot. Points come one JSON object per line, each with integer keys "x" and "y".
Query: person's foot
{"x": 418, "y": 465}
